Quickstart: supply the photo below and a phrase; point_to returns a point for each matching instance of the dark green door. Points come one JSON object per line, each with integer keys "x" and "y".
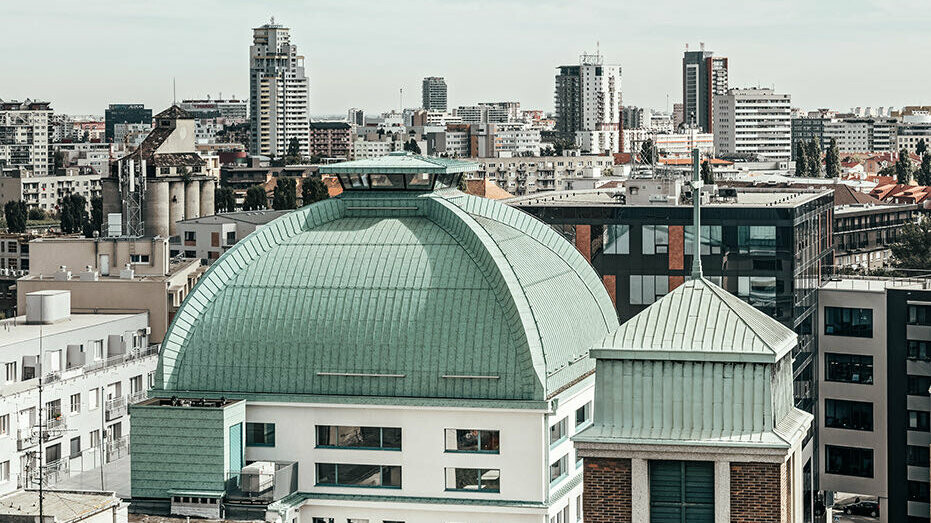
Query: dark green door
{"x": 681, "y": 492}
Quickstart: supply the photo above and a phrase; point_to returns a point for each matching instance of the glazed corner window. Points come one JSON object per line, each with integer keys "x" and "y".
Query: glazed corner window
{"x": 260, "y": 434}
{"x": 351, "y": 437}
{"x": 919, "y": 315}
{"x": 472, "y": 440}
{"x": 616, "y": 239}
{"x": 350, "y": 475}
{"x": 482, "y": 480}
{"x": 756, "y": 239}
{"x": 710, "y": 239}
{"x": 849, "y": 461}
{"x": 845, "y": 321}
{"x": 655, "y": 239}
{"x": 849, "y": 368}
{"x": 583, "y": 414}
{"x": 558, "y": 431}
{"x": 559, "y": 468}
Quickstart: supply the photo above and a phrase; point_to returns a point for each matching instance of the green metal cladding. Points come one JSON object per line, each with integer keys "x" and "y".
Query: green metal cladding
{"x": 391, "y": 294}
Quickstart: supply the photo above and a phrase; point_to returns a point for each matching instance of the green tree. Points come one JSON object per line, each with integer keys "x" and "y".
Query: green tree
{"x": 294, "y": 147}
{"x": 707, "y": 175}
{"x": 412, "y": 146}
{"x": 903, "y": 168}
{"x": 814, "y": 157}
{"x": 832, "y": 161}
{"x": 462, "y": 185}
{"x": 913, "y": 248}
{"x": 801, "y": 159}
{"x": 36, "y": 214}
{"x": 921, "y": 148}
{"x": 313, "y": 190}
{"x": 256, "y": 199}
{"x": 647, "y": 151}
{"x": 294, "y": 155}
{"x": 96, "y": 219}
{"x": 15, "y": 214}
{"x": 224, "y": 200}
{"x": 73, "y": 212}
{"x": 924, "y": 172}
{"x": 285, "y": 194}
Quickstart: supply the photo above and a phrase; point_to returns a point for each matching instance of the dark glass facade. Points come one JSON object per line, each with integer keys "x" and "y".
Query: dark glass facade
{"x": 124, "y": 113}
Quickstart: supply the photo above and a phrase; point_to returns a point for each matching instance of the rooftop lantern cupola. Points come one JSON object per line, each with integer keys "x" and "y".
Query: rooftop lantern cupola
{"x": 399, "y": 171}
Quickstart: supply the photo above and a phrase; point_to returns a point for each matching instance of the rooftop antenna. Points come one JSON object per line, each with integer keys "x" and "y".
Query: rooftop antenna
{"x": 174, "y": 91}
{"x": 272, "y": 21}
{"x": 702, "y": 44}
{"x": 696, "y": 214}
{"x": 401, "y": 100}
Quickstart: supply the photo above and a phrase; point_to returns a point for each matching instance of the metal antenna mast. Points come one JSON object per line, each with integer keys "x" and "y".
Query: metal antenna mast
{"x": 696, "y": 217}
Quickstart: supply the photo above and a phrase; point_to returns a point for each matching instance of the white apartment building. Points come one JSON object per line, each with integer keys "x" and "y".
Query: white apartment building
{"x": 92, "y": 367}
{"x": 24, "y": 139}
{"x": 46, "y": 192}
{"x": 208, "y": 237}
{"x": 522, "y": 175}
{"x": 364, "y": 148}
{"x": 674, "y": 145}
{"x": 130, "y": 134}
{"x": 753, "y": 121}
{"x": 588, "y": 104}
{"x": 516, "y": 139}
{"x": 279, "y": 95}
{"x": 914, "y": 128}
{"x": 93, "y": 155}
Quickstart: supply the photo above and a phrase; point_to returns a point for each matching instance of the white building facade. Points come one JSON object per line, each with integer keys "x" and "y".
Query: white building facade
{"x": 753, "y": 121}
{"x": 24, "y": 136}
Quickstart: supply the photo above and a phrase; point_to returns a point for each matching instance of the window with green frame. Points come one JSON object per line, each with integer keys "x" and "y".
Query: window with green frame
{"x": 260, "y": 434}
{"x": 681, "y": 492}
{"x": 353, "y": 437}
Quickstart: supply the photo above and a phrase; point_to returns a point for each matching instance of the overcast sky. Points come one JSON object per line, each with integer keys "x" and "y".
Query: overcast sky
{"x": 82, "y": 55}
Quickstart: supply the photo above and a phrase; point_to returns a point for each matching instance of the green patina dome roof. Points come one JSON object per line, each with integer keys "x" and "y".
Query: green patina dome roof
{"x": 394, "y": 294}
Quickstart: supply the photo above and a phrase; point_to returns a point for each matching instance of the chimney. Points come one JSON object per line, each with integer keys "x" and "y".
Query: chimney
{"x": 63, "y": 273}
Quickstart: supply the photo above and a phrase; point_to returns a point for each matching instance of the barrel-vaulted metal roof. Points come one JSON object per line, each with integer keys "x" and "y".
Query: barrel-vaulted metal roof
{"x": 700, "y": 321}
{"x": 402, "y": 295}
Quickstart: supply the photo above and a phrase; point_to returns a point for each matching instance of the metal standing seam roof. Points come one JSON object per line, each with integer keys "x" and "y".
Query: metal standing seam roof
{"x": 699, "y": 321}
{"x": 400, "y": 162}
{"x": 430, "y": 295}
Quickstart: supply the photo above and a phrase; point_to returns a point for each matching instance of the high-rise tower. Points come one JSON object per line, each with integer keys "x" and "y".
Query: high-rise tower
{"x": 434, "y": 93}
{"x": 588, "y": 104}
{"x": 279, "y": 93}
{"x": 703, "y": 76}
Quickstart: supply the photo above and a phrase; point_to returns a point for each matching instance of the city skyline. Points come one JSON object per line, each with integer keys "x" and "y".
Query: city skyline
{"x": 141, "y": 51}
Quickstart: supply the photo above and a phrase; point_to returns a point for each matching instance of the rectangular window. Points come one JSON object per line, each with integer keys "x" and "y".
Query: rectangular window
{"x": 349, "y": 475}
{"x": 482, "y": 480}
{"x": 5, "y": 425}
{"x": 75, "y": 403}
{"x": 849, "y": 461}
{"x": 918, "y": 420}
{"x": 681, "y": 491}
{"x": 75, "y": 446}
{"x": 138, "y": 258}
{"x": 918, "y": 491}
{"x": 919, "y": 314}
{"x": 5, "y": 471}
{"x": 917, "y": 456}
{"x": 710, "y": 239}
{"x": 558, "y": 431}
{"x": 918, "y": 385}
{"x": 848, "y": 368}
{"x": 842, "y": 414}
{"x": 190, "y": 236}
{"x": 583, "y": 414}
{"x": 11, "y": 372}
{"x": 92, "y": 399}
{"x": 578, "y": 508}
{"x": 756, "y": 239}
{"x": 845, "y": 321}
{"x": 655, "y": 239}
{"x": 918, "y": 350}
{"x": 94, "y": 438}
{"x": 260, "y": 434}
{"x": 359, "y": 437}
{"x": 98, "y": 349}
{"x": 472, "y": 440}
{"x": 646, "y": 289}
{"x": 616, "y": 239}
{"x": 559, "y": 468}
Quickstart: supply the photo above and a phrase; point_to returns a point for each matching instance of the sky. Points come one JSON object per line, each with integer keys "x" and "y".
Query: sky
{"x": 83, "y": 55}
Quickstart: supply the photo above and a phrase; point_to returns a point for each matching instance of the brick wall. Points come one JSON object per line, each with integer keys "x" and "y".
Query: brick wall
{"x": 756, "y": 492}
{"x": 583, "y": 240}
{"x": 676, "y": 247}
{"x": 606, "y": 496}
{"x": 610, "y": 281}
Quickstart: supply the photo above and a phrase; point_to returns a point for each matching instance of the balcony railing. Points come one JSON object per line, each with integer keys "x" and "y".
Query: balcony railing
{"x": 115, "y": 408}
{"x": 263, "y": 481}
{"x": 122, "y": 358}
{"x": 26, "y": 438}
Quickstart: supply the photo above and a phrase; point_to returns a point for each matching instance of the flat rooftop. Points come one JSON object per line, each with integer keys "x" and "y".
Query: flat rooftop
{"x": 174, "y": 267}
{"x": 875, "y": 284}
{"x": 16, "y": 330}
{"x": 64, "y": 505}
{"x": 746, "y": 197}
{"x": 255, "y": 217}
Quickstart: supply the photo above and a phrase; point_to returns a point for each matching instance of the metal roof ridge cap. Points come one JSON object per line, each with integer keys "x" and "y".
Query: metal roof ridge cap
{"x": 750, "y": 327}
{"x": 649, "y": 354}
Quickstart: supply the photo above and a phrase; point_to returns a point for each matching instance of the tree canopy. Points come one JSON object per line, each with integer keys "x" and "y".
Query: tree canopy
{"x": 224, "y": 200}
{"x": 832, "y": 161}
{"x": 903, "y": 168}
{"x": 913, "y": 248}
{"x": 256, "y": 199}
{"x": 412, "y": 146}
{"x": 921, "y": 147}
{"x": 801, "y": 159}
{"x": 285, "y": 194}
{"x": 15, "y": 214}
{"x": 707, "y": 175}
{"x": 647, "y": 151}
{"x": 73, "y": 212}
{"x": 924, "y": 172}
{"x": 313, "y": 190}
{"x": 814, "y": 157}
